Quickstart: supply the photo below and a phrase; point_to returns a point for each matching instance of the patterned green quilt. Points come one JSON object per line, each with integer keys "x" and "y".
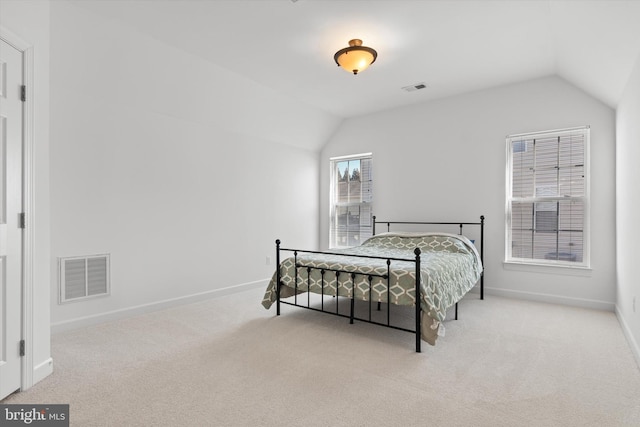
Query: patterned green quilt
{"x": 450, "y": 267}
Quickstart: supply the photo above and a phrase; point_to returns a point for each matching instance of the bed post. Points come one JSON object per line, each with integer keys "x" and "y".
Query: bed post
{"x": 482, "y": 256}
{"x": 418, "y": 300}
{"x": 277, "y": 277}
{"x": 353, "y": 297}
{"x": 374, "y": 226}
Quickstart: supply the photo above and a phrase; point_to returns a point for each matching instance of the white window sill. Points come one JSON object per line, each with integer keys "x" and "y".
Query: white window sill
{"x": 570, "y": 270}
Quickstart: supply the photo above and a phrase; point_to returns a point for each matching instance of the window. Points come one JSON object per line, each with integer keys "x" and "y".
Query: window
{"x": 351, "y": 197}
{"x": 548, "y": 198}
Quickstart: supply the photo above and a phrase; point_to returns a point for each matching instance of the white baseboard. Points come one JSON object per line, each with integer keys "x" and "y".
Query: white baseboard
{"x": 552, "y": 299}
{"x": 82, "y": 322}
{"x": 633, "y": 344}
{"x": 42, "y": 370}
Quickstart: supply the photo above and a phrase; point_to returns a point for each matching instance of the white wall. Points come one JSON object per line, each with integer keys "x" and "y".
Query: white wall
{"x": 184, "y": 172}
{"x": 29, "y": 20}
{"x": 445, "y": 160}
{"x": 627, "y": 207}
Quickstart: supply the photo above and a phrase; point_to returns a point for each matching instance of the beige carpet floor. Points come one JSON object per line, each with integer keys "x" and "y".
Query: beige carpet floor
{"x": 229, "y": 362}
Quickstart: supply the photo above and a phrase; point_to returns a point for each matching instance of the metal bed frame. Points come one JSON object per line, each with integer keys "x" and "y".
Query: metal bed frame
{"x": 352, "y": 275}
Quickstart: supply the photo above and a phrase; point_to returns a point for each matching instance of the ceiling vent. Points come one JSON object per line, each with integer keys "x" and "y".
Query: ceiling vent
{"x": 414, "y": 87}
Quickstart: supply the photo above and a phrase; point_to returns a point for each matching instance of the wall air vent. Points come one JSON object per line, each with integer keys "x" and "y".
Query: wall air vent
{"x": 415, "y": 87}
{"x": 83, "y": 277}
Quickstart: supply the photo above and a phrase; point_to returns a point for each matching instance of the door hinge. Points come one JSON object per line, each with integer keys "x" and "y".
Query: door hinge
{"x": 23, "y": 93}
{"x": 22, "y": 221}
{"x": 22, "y": 350}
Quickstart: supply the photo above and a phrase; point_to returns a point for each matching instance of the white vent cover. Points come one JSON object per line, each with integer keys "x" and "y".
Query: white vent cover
{"x": 83, "y": 277}
{"x": 413, "y": 87}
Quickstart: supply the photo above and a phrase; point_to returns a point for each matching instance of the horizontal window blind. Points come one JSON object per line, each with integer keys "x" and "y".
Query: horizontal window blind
{"x": 351, "y": 200}
{"x": 547, "y": 197}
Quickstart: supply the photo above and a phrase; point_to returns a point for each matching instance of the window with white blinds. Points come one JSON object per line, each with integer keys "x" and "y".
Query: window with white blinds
{"x": 351, "y": 200}
{"x": 548, "y": 198}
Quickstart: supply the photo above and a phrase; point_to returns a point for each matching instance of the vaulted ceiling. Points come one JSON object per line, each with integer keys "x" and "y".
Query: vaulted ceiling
{"x": 452, "y": 46}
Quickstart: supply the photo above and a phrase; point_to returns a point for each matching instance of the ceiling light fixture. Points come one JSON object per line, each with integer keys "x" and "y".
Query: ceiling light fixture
{"x": 356, "y": 57}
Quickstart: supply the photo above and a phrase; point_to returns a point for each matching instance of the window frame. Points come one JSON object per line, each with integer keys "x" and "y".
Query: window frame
{"x": 332, "y": 203}
{"x": 585, "y": 198}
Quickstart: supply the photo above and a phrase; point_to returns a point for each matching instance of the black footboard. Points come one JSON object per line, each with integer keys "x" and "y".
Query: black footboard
{"x": 301, "y": 270}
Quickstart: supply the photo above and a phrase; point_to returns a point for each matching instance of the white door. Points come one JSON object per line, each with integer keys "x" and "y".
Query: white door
{"x": 10, "y": 223}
